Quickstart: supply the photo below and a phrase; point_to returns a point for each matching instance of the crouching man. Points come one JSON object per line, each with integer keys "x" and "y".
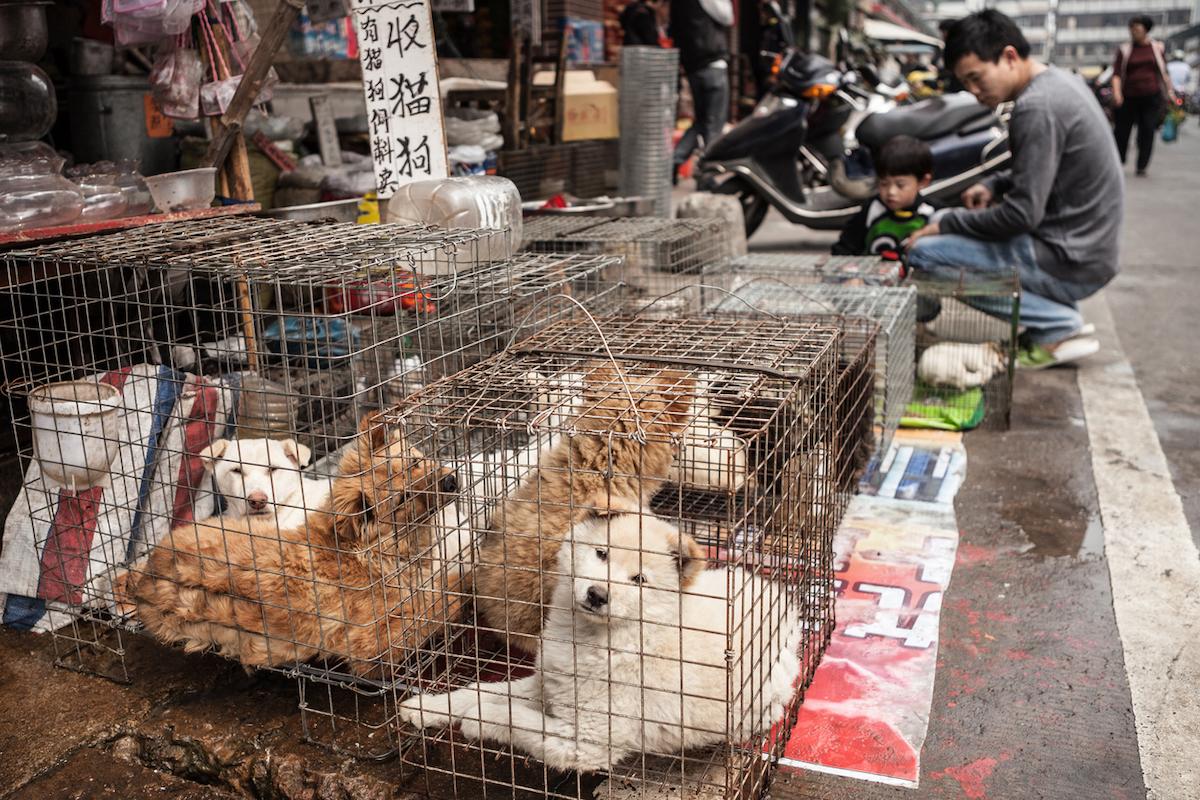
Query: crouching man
{"x": 1055, "y": 217}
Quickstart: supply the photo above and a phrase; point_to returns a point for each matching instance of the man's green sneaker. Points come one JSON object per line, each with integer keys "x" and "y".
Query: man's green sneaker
{"x": 1036, "y": 356}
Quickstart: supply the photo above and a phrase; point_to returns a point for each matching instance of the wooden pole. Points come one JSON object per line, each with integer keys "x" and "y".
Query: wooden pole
{"x": 560, "y": 84}
{"x": 230, "y": 123}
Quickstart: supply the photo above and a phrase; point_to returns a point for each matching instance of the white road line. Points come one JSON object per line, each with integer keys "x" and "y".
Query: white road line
{"x": 1153, "y": 565}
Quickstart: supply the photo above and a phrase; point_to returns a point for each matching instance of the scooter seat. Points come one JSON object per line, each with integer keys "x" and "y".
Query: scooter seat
{"x": 927, "y": 119}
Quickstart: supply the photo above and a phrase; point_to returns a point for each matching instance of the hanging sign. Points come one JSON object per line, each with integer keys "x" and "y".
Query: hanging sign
{"x": 404, "y": 106}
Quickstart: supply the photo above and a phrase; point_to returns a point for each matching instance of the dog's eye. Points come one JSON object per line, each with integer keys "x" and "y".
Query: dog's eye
{"x": 601, "y": 554}
{"x": 235, "y": 471}
{"x": 638, "y": 579}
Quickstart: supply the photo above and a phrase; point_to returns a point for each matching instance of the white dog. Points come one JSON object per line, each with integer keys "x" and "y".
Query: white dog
{"x": 961, "y": 365}
{"x": 260, "y": 477}
{"x": 634, "y": 595}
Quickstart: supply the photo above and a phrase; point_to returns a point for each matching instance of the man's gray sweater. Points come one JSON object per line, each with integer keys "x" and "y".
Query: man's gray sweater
{"x": 1065, "y": 187}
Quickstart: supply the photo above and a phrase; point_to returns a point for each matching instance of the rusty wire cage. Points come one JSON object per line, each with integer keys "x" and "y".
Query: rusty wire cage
{"x": 892, "y": 308}
{"x": 660, "y": 255}
{"x": 189, "y": 402}
{"x": 667, "y": 482}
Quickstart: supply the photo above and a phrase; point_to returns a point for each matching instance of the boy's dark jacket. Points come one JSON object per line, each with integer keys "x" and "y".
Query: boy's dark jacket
{"x": 877, "y": 228}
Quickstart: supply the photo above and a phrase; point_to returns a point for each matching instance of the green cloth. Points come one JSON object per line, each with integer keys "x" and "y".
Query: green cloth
{"x": 944, "y": 409}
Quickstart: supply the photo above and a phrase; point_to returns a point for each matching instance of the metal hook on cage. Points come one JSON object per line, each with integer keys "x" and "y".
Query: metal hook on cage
{"x": 679, "y": 289}
{"x": 637, "y": 414}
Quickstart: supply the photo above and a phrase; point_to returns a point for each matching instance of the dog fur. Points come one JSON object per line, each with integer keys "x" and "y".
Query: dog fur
{"x": 586, "y": 473}
{"x": 960, "y": 365}
{"x": 262, "y": 478}
{"x": 268, "y": 596}
{"x": 610, "y": 671}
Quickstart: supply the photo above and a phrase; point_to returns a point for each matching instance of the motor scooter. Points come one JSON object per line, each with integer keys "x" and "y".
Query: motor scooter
{"x": 806, "y": 149}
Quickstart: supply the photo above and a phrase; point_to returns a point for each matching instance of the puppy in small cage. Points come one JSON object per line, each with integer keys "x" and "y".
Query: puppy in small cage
{"x": 268, "y": 596}
{"x": 634, "y": 656}
{"x": 262, "y": 478}
{"x": 586, "y": 473}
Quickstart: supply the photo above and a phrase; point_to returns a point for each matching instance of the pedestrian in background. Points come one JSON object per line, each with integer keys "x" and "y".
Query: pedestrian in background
{"x": 699, "y": 28}
{"x": 1180, "y": 72}
{"x": 1140, "y": 85}
{"x": 639, "y": 21}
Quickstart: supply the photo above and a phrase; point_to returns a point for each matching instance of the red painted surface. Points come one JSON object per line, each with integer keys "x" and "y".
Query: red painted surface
{"x": 972, "y": 777}
{"x": 109, "y": 225}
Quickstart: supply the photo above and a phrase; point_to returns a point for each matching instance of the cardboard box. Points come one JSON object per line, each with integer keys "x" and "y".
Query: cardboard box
{"x": 591, "y": 109}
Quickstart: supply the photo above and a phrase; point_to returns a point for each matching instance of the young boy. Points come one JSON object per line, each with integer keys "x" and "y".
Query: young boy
{"x": 904, "y": 167}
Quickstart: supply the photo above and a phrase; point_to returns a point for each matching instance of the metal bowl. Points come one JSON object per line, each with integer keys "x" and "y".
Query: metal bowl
{"x": 23, "y": 32}
{"x": 602, "y": 208}
{"x": 334, "y": 210}
{"x": 187, "y": 190}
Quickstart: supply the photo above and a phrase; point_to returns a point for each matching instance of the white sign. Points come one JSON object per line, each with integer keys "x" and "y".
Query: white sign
{"x": 404, "y": 105}
{"x": 526, "y": 16}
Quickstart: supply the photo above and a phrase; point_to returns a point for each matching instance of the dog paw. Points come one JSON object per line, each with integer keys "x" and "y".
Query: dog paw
{"x": 418, "y": 711}
{"x": 472, "y": 729}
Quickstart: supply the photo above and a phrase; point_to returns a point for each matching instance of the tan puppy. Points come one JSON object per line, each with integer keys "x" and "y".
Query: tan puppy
{"x": 267, "y": 597}
{"x": 585, "y": 474}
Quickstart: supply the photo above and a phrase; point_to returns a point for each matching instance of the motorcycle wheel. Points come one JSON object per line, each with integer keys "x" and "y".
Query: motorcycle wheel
{"x": 754, "y": 205}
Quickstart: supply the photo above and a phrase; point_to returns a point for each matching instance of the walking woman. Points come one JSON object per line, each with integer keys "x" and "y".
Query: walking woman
{"x": 1140, "y": 84}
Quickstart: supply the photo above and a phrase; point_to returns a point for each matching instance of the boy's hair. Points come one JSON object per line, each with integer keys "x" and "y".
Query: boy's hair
{"x": 904, "y": 155}
{"x": 1143, "y": 20}
{"x": 986, "y": 34}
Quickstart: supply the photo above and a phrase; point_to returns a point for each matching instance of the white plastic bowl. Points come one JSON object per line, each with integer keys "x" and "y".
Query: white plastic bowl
{"x": 75, "y": 430}
{"x": 187, "y": 190}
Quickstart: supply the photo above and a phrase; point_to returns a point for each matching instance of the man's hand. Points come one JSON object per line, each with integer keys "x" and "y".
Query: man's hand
{"x": 977, "y": 196}
{"x": 929, "y": 230}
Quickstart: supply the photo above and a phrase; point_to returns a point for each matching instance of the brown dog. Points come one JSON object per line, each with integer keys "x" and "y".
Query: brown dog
{"x": 267, "y": 597}
{"x": 589, "y": 473}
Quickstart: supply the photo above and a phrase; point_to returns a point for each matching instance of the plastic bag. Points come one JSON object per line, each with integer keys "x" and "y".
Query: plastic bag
{"x": 175, "y": 82}
{"x": 216, "y": 96}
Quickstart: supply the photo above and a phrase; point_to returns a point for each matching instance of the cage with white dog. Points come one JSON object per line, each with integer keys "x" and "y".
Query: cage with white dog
{"x": 649, "y": 590}
{"x": 192, "y": 407}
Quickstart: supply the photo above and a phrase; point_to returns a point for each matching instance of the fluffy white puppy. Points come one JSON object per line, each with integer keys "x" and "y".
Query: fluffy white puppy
{"x": 961, "y": 365}
{"x": 633, "y": 655}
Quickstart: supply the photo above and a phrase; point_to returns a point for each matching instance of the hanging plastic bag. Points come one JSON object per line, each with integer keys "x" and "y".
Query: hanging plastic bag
{"x": 175, "y": 82}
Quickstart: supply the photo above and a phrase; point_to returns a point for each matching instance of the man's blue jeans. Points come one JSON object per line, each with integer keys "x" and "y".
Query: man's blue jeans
{"x": 710, "y": 97}
{"x": 1048, "y": 305}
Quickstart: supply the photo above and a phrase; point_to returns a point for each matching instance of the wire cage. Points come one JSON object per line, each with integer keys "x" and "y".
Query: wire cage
{"x": 649, "y": 81}
{"x": 966, "y": 351}
{"x": 654, "y": 501}
{"x": 661, "y": 255}
{"x": 189, "y": 403}
{"x": 893, "y": 309}
{"x": 797, "y": 268}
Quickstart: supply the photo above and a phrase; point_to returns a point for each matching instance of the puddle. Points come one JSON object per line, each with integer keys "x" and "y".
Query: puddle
{"x": 1052, "y": 538}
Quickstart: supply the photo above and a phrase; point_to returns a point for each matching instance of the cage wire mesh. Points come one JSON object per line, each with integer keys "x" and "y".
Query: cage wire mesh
{"x": 667, "y": 483}
{"x": 820, "y": 268}
{"x": 892, "y": 308}
{"x": 966, "y": 351}
{"x": 660, "y": 255}
{"x": 649, "y": 94}
{"x": 162, "y": 376}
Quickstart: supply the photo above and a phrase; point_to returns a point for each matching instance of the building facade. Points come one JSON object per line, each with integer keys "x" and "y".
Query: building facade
{"x": 1075, "y": 33}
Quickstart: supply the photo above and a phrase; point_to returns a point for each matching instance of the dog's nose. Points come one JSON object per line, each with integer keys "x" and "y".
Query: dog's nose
{"x": 449, "y": 483}
{"x": 597, "y": 597}
{"x": 257, "y": 500}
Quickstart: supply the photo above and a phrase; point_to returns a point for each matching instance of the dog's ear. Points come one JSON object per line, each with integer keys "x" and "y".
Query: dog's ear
{"x": 210, "y": 455}
{"x": 297, "y": 453}
{"x": 679, "y": 390}
{"x": 353, "y": 511}
{"x": 374, "y": 434}
{"x": 690, "y": 557}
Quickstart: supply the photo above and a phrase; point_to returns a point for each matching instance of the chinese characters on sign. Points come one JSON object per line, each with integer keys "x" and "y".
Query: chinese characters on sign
{"x": 404, "y": 110}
